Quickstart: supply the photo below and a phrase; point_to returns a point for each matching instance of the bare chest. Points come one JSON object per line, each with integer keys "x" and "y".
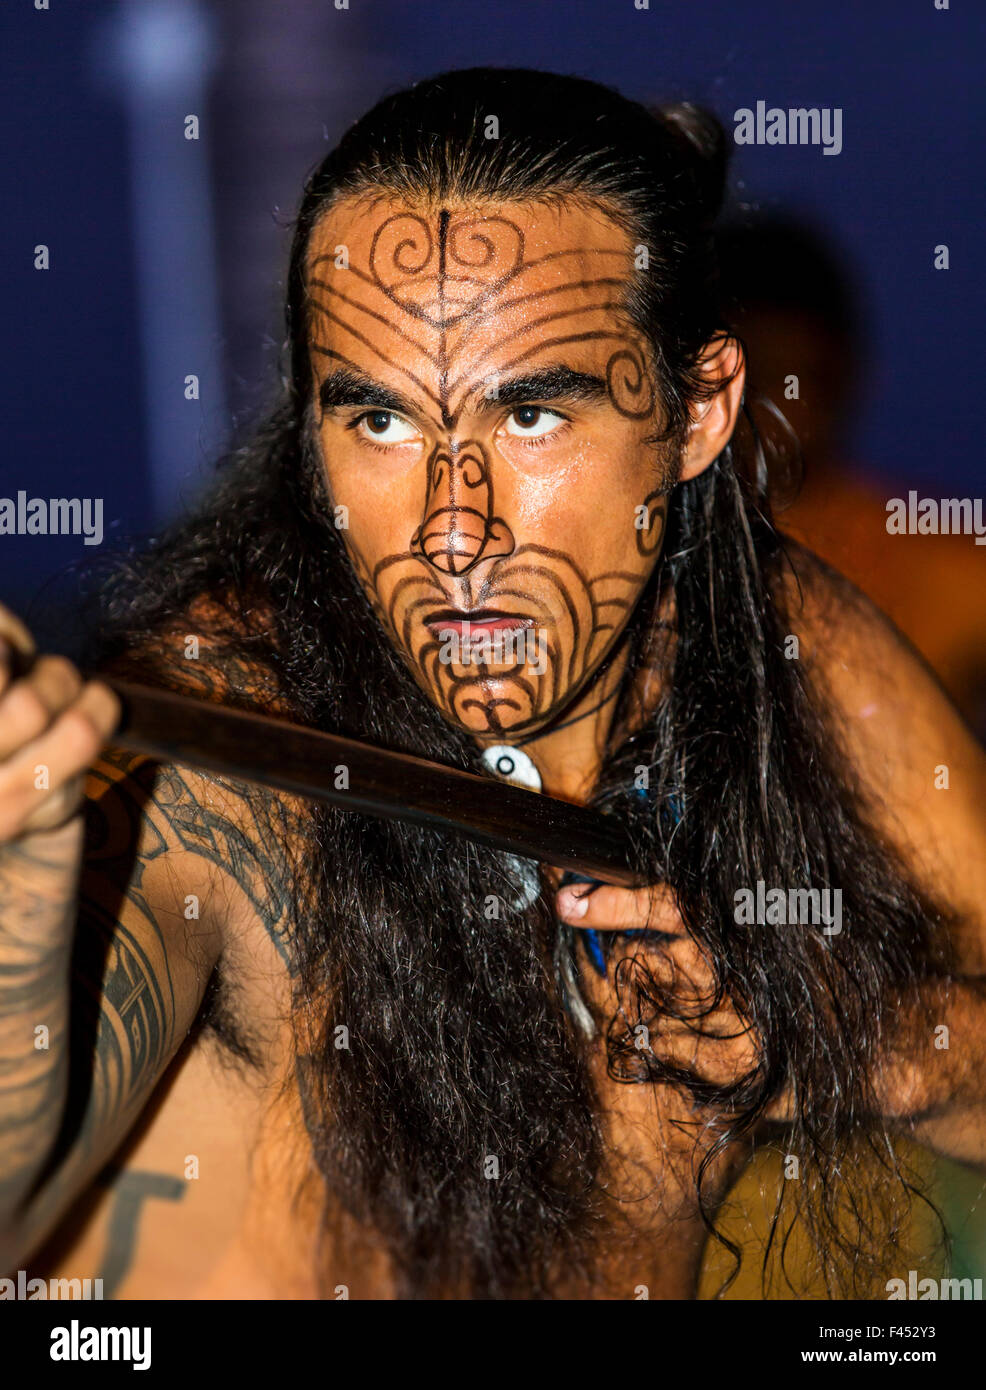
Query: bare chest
{"x": 216, "y": 1194}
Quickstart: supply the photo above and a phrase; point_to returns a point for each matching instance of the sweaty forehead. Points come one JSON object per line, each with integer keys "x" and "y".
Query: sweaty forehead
{"x": 445, "y": 298}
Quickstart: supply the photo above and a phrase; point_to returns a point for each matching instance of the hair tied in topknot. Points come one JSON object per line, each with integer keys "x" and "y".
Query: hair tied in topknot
{"x": 702, "y": 141}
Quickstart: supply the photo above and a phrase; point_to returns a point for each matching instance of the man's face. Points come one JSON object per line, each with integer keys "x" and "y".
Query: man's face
{"x": 486, "y": 412}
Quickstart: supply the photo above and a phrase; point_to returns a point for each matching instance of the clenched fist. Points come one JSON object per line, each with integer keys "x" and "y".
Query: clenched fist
{"x": 52, "y": 726}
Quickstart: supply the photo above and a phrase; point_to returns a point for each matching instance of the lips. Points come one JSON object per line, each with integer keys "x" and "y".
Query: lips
{"x": 481, "y": 622}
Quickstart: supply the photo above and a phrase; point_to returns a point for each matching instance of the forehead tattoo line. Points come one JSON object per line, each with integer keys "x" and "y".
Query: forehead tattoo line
{"x": 495, "y": 372}
{"x": 365, "y": 309}
{"x": 377, "y": 352}
{"x": 529, "y": 325}
{"x": 424, "y": 247}
{"x": 443, "y": 278}
{"x": 469, "y": 311}
{"x": 443, "y": 222}
{"x": 482, "y": 315}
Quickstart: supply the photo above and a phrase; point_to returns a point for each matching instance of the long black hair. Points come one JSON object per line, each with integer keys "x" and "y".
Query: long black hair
{"x": 461, "y": 1050}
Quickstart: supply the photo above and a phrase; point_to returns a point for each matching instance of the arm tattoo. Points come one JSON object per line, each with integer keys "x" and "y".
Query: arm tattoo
{"x": 250, "y": 848}
{"x": 130, "y": 1191}
{"x": 34, "y": 961}
{"x": 136, "y": 983}
{"x": 248, "y": 837}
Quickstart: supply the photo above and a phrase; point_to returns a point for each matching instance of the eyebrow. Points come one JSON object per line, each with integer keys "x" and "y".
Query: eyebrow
{"x": 347, "y": 387}
{"x": 546, "y": 384}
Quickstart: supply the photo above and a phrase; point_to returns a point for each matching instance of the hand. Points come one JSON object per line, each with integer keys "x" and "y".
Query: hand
{"x": 52, "y": 726}
{"x": 716, "y": 1044}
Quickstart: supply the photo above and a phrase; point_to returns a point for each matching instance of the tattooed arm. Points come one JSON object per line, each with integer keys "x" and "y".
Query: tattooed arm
{"x": 51, "y": 727}
{"x": 111, "y": 923}
{"x": 112, "y": 993}
{"x": 172, "y": 860}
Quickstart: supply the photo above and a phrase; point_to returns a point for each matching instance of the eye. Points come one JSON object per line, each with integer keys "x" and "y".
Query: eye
{"x": 384, "y": 427}
{"x": 532, "y": 422}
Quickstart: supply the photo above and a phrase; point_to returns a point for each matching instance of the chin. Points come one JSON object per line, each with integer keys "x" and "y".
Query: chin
{"x": 495, "y": 704}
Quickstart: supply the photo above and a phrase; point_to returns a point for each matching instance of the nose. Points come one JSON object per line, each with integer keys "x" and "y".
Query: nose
{"x": 459, "y": 529}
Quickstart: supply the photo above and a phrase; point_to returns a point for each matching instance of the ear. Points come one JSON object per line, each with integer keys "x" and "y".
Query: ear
{"x": 723, "y": 366}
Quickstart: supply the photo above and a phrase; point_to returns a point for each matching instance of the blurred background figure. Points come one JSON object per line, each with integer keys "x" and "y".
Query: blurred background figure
{"x": 793, "y": 302}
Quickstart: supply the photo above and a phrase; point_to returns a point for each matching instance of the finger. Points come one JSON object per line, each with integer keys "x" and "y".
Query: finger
{"x": 605, "y": 908}
{"x": 101, "y": 706}
{"x": 15, "y": 632}
{"x": 16, "y": 644}
{"x": 718, "y": 1049}
{"x": 57, "y": 808}
{"x": 30, "y": 704}
{"x": 715, "y": 1065}
{"x": 40, "y": 772}
{"x": 709, "y": 1026}
{"x": 685, "y": 962}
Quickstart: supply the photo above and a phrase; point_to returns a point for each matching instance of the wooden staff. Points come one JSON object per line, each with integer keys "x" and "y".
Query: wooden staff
{"x": 291, "y": 758}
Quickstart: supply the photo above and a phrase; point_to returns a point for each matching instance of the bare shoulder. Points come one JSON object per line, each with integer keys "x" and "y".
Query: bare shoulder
{"x": 194, "y": 854}
{"x": 213, "y": 650}
{"x": 918, "y": 766}
{"x": 235, "y": 842}
{"x": 867, "y": 667}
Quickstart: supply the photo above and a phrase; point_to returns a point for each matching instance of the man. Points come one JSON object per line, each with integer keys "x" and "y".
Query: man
{"x": 507, "y": 502}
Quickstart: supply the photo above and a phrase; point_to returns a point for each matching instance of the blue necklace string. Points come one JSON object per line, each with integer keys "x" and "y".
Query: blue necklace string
{"x": 589, "y": 936}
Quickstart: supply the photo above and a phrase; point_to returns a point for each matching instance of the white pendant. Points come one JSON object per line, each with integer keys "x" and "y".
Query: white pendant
{"x": 512, "y": 765}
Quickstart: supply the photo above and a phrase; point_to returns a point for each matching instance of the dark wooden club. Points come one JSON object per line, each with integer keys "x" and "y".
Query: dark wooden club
{"x": 292, "y": 758}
